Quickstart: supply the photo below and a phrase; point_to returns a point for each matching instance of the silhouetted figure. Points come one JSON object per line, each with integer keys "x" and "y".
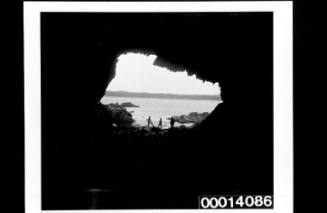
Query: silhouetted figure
{"x": 160, "y": 123}
{"x": 149, "y": 121}
{"x": 172, "y": 122}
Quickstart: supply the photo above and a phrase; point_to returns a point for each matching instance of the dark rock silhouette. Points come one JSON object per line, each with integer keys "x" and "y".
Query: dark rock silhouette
{"x": 229, "y": 153}
{"x": 193, "y": 117}
{"x": 120, "y": 116}
{"x": 128, "y": 104}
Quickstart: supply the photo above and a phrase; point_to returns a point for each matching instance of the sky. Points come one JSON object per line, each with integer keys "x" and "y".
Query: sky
{"x": 135, "y": 72}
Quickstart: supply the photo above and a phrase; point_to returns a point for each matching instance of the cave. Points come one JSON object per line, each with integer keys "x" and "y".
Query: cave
{"x": 230, "y": 153}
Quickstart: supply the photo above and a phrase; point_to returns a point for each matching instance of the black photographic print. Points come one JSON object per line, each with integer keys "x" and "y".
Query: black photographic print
{"x": 158, "y": 106}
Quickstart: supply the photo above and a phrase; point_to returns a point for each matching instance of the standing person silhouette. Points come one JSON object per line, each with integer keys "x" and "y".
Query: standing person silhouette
{"x": 160, "y": 123}
{"x": 149, "y": 121}
{"x": 172, "y": 122}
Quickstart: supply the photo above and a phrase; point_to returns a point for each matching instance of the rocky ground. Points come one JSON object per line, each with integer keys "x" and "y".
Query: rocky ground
{"x": 125, "y": 129}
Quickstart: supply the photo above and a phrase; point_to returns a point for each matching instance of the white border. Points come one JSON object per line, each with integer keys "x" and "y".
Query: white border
{"x": 283, "y": 88}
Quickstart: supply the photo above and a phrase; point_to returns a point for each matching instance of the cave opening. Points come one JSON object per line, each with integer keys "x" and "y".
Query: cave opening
{"x": 150, "y": 97}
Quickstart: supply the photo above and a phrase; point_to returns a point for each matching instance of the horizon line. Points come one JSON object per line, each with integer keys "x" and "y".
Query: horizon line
{"x": 107, "y": 91}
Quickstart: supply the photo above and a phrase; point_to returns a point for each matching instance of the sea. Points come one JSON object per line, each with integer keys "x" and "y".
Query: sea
{"x": 161, "y": 108}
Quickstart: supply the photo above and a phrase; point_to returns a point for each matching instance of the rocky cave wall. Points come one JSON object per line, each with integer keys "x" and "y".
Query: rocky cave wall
{"x": 79, "y": 52}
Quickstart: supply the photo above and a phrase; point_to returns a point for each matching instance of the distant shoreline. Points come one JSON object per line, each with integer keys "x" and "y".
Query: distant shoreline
{"x": 161, "y": 95}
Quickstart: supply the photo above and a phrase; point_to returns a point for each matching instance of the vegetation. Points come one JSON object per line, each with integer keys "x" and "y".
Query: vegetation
{"x": 120, "y": 116}
{"x": 193, "y": 117}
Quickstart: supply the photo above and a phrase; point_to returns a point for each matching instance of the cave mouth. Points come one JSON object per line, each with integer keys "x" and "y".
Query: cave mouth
{"x": 146, "y": 96}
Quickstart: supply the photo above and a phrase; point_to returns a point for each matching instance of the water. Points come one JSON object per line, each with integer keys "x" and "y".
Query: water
{"x": 161, "y": 108}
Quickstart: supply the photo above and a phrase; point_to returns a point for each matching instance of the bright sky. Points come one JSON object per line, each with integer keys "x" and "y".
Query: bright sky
{"x": 135, "y": 72}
